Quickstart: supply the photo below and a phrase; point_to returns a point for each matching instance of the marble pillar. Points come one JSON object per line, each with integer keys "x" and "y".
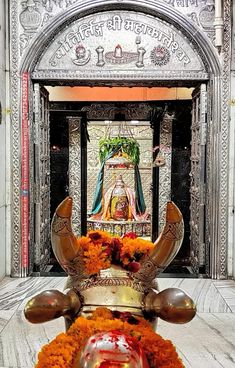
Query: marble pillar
{"x": 231, "y": 183}
{"x": 2, "y": 140}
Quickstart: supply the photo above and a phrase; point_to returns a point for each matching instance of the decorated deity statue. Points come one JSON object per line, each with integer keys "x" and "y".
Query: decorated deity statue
{"x": 120, "y": 208}
{"x": 119, "y": 203}
{"x": 111, "y": 300}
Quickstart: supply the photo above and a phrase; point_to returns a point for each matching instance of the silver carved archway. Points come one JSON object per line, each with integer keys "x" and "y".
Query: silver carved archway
{"x": 217, "y": 140}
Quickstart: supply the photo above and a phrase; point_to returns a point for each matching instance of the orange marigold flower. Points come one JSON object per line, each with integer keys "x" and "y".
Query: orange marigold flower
{"x": 84, "y": 242}
{"x": 143, "y": 245}
{"x": 95, "y": 259}
{"x": 98, "y": 250}
{"x": 133, "y": 247}
{"x": 64, "y": 350}
{"x": 59, "y": 353}
{"x": 102, "y": 312}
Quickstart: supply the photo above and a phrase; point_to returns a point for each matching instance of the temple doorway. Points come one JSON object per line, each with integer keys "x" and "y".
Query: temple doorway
{"x": 125, "y": 45}
{"x": 163, "y": 132}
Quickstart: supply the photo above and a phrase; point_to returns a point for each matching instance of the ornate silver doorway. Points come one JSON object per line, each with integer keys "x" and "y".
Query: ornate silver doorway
{"x": 78, "y": 170}
{"x": 162, "y": 46}
{"x": 172, "y": 116}
{"x": 198, "y": 179}
{"x": 41, "y": 178}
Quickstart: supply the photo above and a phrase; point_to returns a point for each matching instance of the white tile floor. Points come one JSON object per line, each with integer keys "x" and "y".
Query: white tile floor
{"x": 206, "y": 342}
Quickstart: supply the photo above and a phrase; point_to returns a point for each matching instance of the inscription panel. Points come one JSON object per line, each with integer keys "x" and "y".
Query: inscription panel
{"x": 120, "y": 42}
{"x": 202, "y": 12}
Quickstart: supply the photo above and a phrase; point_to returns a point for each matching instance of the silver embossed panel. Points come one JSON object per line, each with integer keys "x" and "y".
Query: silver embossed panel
{"x": 120, "y": 42}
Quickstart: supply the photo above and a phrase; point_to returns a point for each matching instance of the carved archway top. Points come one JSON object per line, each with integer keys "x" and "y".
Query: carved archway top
{"x": 165, "y": 14}
{"x": 120, "y": 45}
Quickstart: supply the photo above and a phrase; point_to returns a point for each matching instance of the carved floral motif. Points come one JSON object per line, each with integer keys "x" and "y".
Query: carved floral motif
{"x": 160, "y": 55}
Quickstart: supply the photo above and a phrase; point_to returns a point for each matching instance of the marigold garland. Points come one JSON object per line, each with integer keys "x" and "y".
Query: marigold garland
{"x": 99, "y": 250}
{"x": 64, "y": 350}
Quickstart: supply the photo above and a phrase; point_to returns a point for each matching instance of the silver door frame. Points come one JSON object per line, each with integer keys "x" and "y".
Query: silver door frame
{"x": 217, "y": 174}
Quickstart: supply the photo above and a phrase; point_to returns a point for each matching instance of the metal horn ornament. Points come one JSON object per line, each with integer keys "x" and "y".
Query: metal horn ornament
{"x": 166, "y": 247}
{"x": 115, "y": 288}
{"x": 64, "y": 242}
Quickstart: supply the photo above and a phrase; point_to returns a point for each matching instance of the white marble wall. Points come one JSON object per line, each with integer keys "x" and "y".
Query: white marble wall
{"x": 2, "y": 141}
{"x": 231, "y": 208}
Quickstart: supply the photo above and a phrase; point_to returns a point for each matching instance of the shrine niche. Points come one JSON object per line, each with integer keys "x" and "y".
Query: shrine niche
{"x": 116, "y": 190}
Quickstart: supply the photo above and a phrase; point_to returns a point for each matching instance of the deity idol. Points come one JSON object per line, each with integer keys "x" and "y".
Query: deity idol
{"x": 119, "y": 204}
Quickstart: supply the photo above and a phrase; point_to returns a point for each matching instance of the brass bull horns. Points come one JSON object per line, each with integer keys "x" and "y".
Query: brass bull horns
{"x": 64, "y": 242}
{"x": 66, "y": 250}
{"x": 166, "y": 246}
{"x": 172, "y": 305}
{"x": 51, "y": 304}
{"x": 169, "y": 242}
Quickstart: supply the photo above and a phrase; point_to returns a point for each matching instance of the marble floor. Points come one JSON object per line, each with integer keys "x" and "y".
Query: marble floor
{"x": 206, "y": 342}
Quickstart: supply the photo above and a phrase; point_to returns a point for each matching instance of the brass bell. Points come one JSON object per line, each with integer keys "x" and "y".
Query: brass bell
{"x": 159, "y": 160}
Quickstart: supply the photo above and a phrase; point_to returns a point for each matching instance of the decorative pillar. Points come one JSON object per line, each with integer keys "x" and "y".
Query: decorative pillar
{"x": 24, "y": 178}
{"x": 75, "y": 171}
{"x": 165, "y": 170}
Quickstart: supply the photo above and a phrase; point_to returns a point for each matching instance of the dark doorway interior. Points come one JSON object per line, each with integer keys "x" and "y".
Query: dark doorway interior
{"x": 59, "y": 156}
{"x": 180, "y": 175}
{"x": 180, "y": 180}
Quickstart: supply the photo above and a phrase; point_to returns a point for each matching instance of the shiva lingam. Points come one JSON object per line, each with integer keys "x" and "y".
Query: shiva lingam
{"x": 117, "y": 289}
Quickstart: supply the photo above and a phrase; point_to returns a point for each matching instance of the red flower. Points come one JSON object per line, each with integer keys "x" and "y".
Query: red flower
{"x": 108, "y": 250}
{"x": 95, "y": 236}
{"x": 130, "y": 235}
{"x": 116, "y": 247}
{"x": 134, "y": 266}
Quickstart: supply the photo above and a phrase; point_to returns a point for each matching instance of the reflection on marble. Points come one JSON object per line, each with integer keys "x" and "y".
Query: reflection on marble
{"x": 14, "y": 291}
{"x": 204, "y": 292}
{"x": 21, "y": 341}
{"x": 206, "y": 342}
{"x": 227, "y": 291}
{"x": 5, "y": 316}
